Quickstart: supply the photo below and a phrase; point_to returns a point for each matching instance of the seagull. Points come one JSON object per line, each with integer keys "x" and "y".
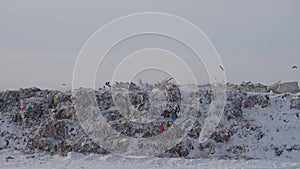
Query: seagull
{"x": 108, "y": 84}
{"x": 221, "y": 68}
{"x": 294, "y": 67}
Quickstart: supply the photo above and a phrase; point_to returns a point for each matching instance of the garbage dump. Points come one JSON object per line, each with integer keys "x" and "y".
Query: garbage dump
{"x": 255, "y": 123}
{"x": 279, "y": 87}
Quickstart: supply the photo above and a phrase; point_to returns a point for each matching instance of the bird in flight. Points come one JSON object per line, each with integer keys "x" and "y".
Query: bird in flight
{"x": 221, "y": 67}
{"x": 295, "y": 67}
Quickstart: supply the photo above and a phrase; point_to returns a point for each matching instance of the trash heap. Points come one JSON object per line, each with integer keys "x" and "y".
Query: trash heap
{"x": 34, "y": 119}
{"x": 255, "y": 123}
{"x": 124, "y": 122}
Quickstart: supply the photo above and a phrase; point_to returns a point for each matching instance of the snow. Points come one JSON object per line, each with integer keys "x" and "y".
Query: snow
{"x": 80, "y": 161}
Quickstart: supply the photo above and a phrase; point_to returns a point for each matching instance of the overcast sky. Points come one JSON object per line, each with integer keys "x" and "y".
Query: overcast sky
{"x": 257, "y": 40}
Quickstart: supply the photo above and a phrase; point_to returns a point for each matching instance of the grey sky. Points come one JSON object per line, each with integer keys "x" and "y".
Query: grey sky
{"x": 40, "y": 40}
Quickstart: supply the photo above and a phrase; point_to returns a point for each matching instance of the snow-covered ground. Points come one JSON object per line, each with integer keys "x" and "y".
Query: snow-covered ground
{"x": 92, "y": 161}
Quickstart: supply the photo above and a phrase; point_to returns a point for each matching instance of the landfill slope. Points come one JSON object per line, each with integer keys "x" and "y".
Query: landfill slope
{"x": 255, "y": 125}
